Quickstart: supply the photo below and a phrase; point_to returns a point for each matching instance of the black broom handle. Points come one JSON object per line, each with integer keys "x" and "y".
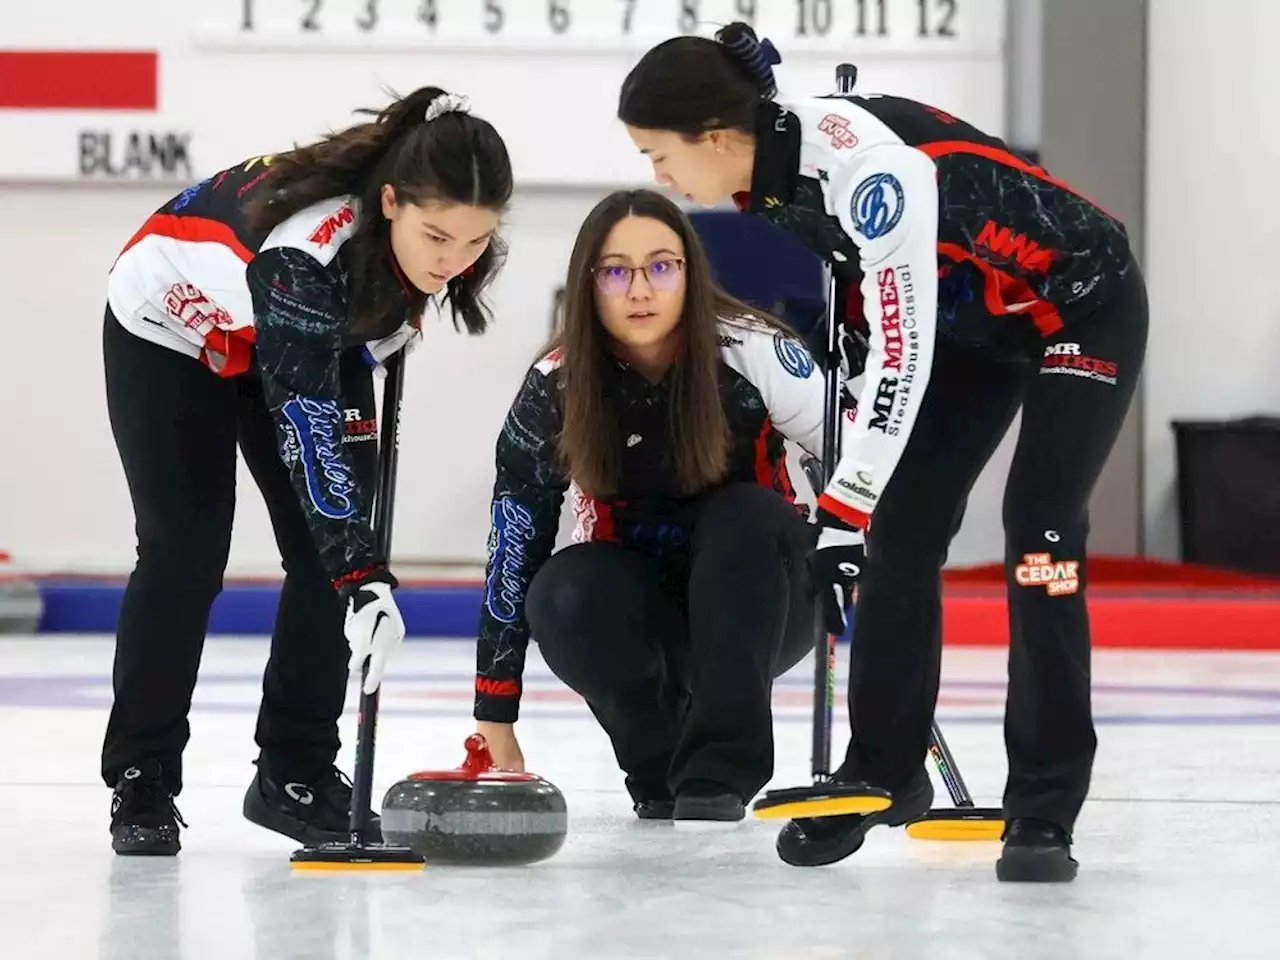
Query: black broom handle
{"x": 846, "y": 77}
{"x": 825, "y": 643}
{"x": 948, "y": 769}
{"x": 383, "y": 511}
{"x": 824, "y": 648}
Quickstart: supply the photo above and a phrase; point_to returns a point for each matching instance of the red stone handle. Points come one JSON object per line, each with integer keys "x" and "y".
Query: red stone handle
{"x": 479, "y": 759}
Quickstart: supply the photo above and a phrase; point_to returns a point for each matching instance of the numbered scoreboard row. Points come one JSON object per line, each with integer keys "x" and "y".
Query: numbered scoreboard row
{"x": 945, "y": 28}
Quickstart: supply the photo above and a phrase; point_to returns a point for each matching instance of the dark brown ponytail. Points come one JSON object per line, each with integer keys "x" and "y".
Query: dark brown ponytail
{"x": 454, "y": 158}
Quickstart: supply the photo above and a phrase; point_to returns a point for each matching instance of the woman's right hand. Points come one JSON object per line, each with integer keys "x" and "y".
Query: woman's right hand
{"x": 503, "y": 746}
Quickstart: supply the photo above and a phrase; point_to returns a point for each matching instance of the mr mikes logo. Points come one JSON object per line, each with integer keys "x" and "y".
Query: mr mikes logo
{"x": 323, "y": 235}
{"x": 1058, "y": 577}
{"x": 356, "y": 428}
{"x": 837, "y": 127}
{"x": 134, "y": 155}
{"x": 890, "y": 319}
{"x": 1066, "y": 358}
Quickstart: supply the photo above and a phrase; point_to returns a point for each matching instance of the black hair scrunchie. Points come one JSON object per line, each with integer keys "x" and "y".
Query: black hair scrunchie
{"x": 757, "y": 56}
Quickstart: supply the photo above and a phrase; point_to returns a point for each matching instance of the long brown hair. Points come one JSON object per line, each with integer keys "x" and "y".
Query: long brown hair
{"x": 455, "y": 158}
{"x": 590, "y": 444}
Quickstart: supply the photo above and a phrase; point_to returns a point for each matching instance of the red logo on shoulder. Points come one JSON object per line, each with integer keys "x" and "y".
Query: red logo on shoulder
{"x": 838, "y": 128}
{"x": 188, "y": 303}
{"x": 550, "y": 362}
{"x": 322, "y": 236}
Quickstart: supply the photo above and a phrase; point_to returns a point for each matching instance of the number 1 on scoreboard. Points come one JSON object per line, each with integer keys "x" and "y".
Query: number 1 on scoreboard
{"x": 861, "y": 30}
{"x": 428, "y": 14}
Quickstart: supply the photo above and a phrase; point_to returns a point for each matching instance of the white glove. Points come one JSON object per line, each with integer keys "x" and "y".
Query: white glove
{"x": 374, "y": 629}
{"x": 838, "y": 561}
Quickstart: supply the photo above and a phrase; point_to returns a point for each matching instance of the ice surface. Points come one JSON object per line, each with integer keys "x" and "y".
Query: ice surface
{"x": 1178, "y": 844}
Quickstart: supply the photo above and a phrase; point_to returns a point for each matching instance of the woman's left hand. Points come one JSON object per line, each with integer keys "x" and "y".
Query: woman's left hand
{"x": 837, "y": 563}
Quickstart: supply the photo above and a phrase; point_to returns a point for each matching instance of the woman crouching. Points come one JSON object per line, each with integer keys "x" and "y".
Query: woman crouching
{"x": 664, "y": 403}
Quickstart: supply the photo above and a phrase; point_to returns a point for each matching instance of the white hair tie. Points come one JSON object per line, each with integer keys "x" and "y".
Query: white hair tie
{"x": 446, "y": 103}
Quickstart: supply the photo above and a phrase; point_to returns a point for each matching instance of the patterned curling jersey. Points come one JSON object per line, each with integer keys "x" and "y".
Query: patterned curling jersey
{"x": 180, "y": 281}
{"x": 940, "y": 231}
{"x": 771, "y": 390}
{"x": 196, "y": 278}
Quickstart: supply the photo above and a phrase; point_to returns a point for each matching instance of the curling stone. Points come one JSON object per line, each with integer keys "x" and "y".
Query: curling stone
{"x": 475, "y": 814}
{"x": 21, "y": 604}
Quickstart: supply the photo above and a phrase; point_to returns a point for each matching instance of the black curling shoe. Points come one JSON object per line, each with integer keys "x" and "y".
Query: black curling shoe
{"x": 819, "y": 841}
{"x": 144, "y": 819}
{"x": 705, "y": 805}
{"x": 1036, "y": 851}
{"x": 310, "y": 810}
{"x": 651, "y": 800}
{"x": 660, "y": 809}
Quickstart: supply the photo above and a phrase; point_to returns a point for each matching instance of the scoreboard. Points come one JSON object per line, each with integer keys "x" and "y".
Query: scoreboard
{"x": 233, "y": 78}
{"x": 914, "y": 27}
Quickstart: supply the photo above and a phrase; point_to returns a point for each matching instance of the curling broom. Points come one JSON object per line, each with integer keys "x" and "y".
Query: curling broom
{"x": 825, "y": 797}
{"x": 356, "y": 854}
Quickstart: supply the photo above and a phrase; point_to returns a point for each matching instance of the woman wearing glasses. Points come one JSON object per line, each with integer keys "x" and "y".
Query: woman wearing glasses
{"x": 663, "y": 403}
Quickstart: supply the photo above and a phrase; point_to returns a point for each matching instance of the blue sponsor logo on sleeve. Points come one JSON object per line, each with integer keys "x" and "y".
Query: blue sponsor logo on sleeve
{"x": 793, "y": 356}
{"x": 513, "y": 530}
{"x": 955, "y": 291}
{"x": 189, "y": 194}
{"x": 317, "y": 436}
{"x": 877, "y": 205}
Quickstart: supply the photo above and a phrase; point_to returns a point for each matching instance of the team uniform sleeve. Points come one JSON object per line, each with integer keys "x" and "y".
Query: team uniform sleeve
{"x": 790, "y": 382}
{"x": 525, "y": 517}
{"x": 298, "y": 315}
{"x": 887, "y": 201}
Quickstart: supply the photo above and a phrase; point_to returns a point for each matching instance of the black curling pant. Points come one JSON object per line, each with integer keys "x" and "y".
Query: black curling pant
{"x": 1073, "y": 402}
{"x": 176, "y": 426}
{"x": 677, "y": 660}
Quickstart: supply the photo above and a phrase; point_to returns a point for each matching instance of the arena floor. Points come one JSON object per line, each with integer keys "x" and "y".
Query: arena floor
{"x": 1177, "y": 845}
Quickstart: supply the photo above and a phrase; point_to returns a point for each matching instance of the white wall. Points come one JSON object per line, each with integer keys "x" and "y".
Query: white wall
{"x": 1213, "y": 199}
{"x": 65, "y": 505}
{"x": 1026, "y": 72}
{"x": 236, "y": 93}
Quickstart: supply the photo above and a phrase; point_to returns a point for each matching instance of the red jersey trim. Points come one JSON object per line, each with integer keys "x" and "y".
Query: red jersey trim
{"x": 1001, "y": 288}
{"x": 190, "y": 230}
{"x": 855, "y": 518}
{"x": 942, "y": 148}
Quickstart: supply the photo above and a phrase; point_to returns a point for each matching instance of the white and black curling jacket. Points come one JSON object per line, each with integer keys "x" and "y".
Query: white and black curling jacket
{"x": 197, "y": 279}
{"x": 771, "y": 391}
{"x": 941, "y": 232}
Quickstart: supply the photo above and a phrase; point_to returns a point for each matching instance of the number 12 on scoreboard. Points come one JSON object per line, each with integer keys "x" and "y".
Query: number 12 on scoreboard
{"x": 806, "y": 23}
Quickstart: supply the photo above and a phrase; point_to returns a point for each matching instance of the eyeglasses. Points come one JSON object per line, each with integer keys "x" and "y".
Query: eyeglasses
{"x": 614, "y": 279}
